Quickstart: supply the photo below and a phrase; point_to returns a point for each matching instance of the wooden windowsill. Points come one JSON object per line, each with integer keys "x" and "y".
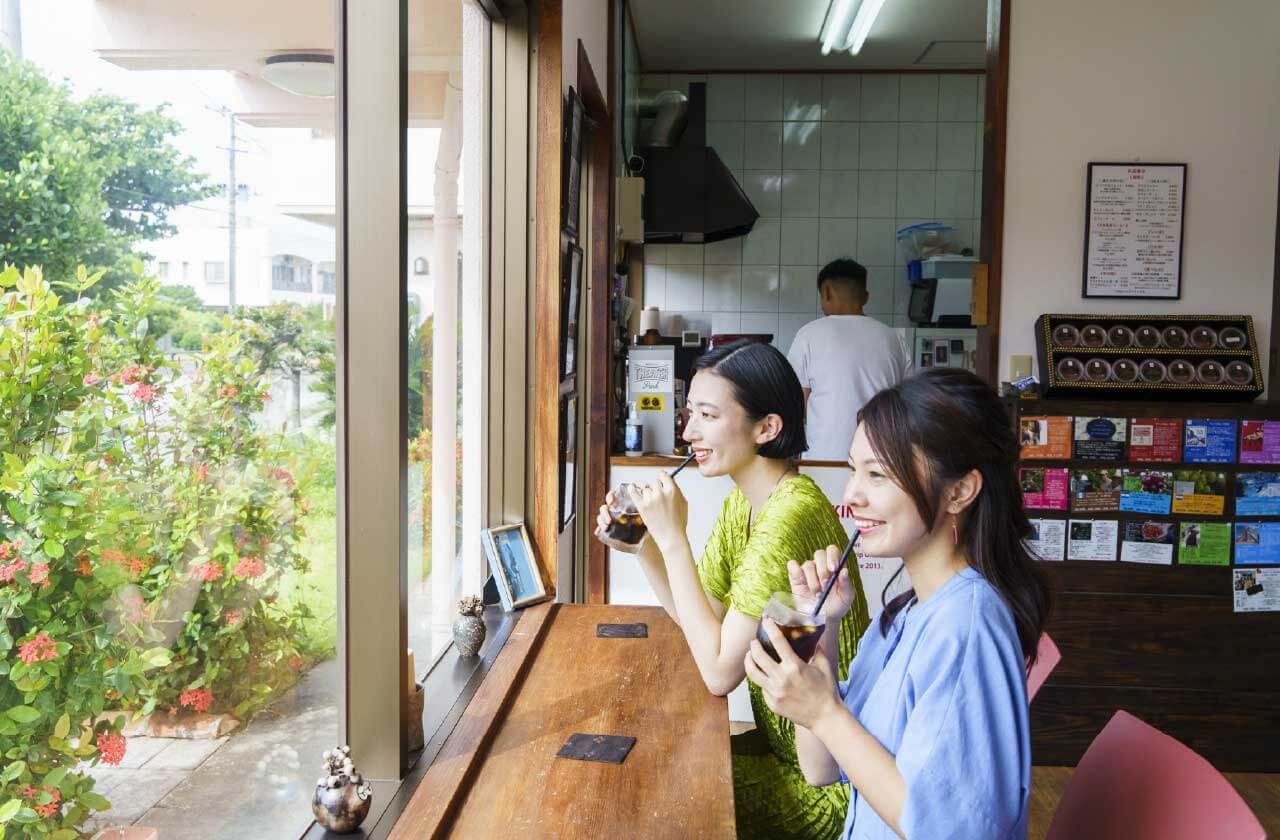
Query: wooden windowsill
{"x": 673, "y": 460}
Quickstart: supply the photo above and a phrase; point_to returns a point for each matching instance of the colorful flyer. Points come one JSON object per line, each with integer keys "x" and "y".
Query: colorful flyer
{"x": 1156, "y": 441}
{"x": 1259, "y": 442}
{"x": 1091, "y": 539}
{"x": 1045, "y": 437}
{"x": 1202, "y": 492}
{"x": 1256, "y": 590}
{"x": 1209, "y": 442}
{"x": 1100, "y": 438}
{"x": 1043, "y": 489}
{"x": 1258, "y": 543}
{"x": 1257, "y": 494}
{"x": 1096, "y": 491}
{"x": 1147, "y": 491}
{"x": 1148, "y": 542}
{"x": 1049, "y": 538}
{"x": 1205, "y": 544}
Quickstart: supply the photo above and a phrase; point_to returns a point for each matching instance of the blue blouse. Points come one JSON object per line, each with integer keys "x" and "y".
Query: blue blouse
{"x": 945, "y": 693}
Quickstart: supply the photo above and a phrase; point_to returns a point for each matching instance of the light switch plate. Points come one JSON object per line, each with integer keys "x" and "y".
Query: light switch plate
{"x": 1019, "y": 367}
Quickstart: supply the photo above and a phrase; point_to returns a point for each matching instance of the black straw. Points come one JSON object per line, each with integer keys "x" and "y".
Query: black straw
{"x": 826, "y": 590}
{"x": 683, "y": 464}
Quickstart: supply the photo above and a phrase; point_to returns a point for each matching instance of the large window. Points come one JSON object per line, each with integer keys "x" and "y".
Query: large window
{"x": 290, "y": 273}
{"x": 215, "y": 272}
{"x": 327, "y": 277}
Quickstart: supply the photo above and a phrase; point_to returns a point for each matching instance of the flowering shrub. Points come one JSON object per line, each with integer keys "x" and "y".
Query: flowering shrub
{"x": 145, "y": 525}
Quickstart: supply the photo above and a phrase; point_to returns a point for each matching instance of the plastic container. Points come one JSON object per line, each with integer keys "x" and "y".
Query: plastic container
{"x": 1070, "y": 370}
{"x": 1210, "y": 372}
{"x": 1175, "y": 338}
{"x": 1204, "y": 338}
{"x": 1232, "y": 338}
{"x": 1239, "y": 373}
{"x": 1092, "y": 335}
{"x": 1097, "y": 370}
{"x": 1152, "y": 371}
{"x": 1147, "y": 337}
{"x": 1065, "y": 335}
{"x": 1124, "y": 370}
{"x": 1181, "y": 372}
{"x": 1119, "y": 336}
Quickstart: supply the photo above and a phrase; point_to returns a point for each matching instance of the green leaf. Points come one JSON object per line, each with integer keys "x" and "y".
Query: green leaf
{"x": 53, "y": 548}
{"x": 95, "y": 801}
{"x": 9, "y": 810}
{"x": 54, "y": 777}
{"x": 13, "y": 771}
{"x": 23, "y": 714}
{"x": 158, "y": 657}
{"x": 64, "y": 834}
{"x": 63, "y": 726}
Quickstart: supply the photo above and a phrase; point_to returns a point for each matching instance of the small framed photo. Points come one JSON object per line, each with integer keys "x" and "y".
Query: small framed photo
{"x": 511, "y": 560}
{"x": 570, "y": 302}
{"x": 568, "y": 447}
{"x": 572, "y": 162}
{"x": 941, "y": 352}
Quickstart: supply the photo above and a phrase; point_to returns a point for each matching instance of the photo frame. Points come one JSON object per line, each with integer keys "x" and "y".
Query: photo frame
{"x": 572, "y": 157}
{"x": 570, "y": 295}
{"x": 568, "y": 456}
{"x": 511, "y": 560}
{"x": 1134, "y": 230}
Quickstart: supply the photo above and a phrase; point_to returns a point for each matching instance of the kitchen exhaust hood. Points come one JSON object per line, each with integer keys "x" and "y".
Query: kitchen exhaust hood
{"x": 690, "y": 196}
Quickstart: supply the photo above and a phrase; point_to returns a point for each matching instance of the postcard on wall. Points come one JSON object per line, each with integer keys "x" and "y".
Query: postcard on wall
{"x": 1205, "y": 544}
{"x": 1257, "y": 543}
{"x": 1202, "y": 492}
{"x": 1045, "y": 437}
{"x": 1048, "y": 539}
{"x": 1100, "y": 438}
{"x": 1147, "y": 491}
{"x": 1209, "y": 442}
{"x": 1259, "y": 442}
{"x": 1148, "y": 542}
{"x": 1257, "y": 494}
{"x": 1157, "y": 441}
{"x": 1091, "y": 539}
{"x": 1256, "y": 590}
{"x": 1043, "y": 489}
{"x": 1096, "y": 491}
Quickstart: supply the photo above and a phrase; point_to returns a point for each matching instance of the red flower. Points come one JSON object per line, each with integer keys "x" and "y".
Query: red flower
{"x": 144, "y": 393}
{"x": 7, "y": 571}
{"x": 283, "y": 475}
{"x": 130, "y": 374}
{"x": 206, "y": 572}
{"x": 228, "y": 391}
{"x": 50, "y": 807}
{"x": 202, "y": 472}
{"x": 137, "y": 566}
{"x": 112, "y": 747}
{"x": 296, "y": 663}
{"x": 8, "y": 549}
{"x": 38, "y": 649}
{"x": 91, "y": 379}
{"x": 234, "y": 618}
{"x": 196, "y": 698}
{"x": 250, "y": 567}
{"x": 40, "y": 574}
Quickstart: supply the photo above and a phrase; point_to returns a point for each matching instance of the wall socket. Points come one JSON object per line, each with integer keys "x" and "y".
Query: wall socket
{"x": 1019, "y": 367}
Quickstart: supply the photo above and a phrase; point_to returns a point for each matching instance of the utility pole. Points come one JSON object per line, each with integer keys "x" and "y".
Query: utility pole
{"x": 232, "y": 151}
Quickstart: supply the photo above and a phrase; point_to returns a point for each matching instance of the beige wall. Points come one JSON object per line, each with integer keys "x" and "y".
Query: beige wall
{"x": 1153, "y": 80}
{"x": 588, "y": 20}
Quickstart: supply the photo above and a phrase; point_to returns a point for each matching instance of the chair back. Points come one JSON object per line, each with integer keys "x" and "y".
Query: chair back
{"x": 1047, "y": 658}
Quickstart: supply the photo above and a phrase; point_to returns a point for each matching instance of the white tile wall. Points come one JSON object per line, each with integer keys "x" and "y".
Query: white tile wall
{"x": 835, "y": 164}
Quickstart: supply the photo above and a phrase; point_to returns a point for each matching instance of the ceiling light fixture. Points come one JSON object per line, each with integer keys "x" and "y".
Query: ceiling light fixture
{"x": 848, "y": 24}
{"x": 862, "y": 24}
{"x": 306, "y": 74}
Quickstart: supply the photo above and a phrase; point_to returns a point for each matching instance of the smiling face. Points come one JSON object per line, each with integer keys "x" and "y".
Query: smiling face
{"x": 884, "y": 513}
{"x": 721, "y": 435}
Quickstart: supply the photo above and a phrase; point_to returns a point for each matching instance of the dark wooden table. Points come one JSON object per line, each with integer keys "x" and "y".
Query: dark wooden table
{"x": 503, "y": 779}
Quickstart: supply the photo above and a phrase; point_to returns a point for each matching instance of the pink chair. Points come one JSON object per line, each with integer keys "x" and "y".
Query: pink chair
{"x": 1047, "y": 658}
{"x": 1136, "y": 783}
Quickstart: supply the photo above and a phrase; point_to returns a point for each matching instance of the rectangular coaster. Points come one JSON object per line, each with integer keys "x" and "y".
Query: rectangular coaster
{"x": 611, "y": 749}
{"x": 622, "y": 631}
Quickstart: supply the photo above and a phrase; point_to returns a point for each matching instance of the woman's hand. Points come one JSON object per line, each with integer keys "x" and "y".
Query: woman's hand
{"x": 801, "y": 692}
{"x": 809, "y": 580}
{"x": 664, "y": 510}
{"x": 603, "y": 518}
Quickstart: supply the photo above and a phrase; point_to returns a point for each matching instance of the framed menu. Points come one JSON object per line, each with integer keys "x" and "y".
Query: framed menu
{"x": 1133, "y": 230}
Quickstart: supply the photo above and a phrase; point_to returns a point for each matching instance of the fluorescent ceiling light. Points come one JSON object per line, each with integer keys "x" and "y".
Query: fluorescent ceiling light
{"x": 862, "y": 23}
{"x": 306, "y": 74}
{"x": 847, "y": 25}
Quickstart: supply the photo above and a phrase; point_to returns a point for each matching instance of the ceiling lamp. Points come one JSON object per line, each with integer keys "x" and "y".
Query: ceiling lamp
{"x": 848, "y": 24}
{"x": 306, "y": 74}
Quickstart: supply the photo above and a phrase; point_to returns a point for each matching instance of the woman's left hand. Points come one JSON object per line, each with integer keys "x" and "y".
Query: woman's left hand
{"x": 803, "y": 692}
{"x": 663, "y": 508}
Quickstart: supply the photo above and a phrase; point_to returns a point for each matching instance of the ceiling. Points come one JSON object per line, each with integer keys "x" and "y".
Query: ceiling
{"x": 783, "y": 35}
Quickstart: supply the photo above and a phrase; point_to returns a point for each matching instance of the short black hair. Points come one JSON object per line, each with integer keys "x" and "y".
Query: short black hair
{"x": 763, "y": 383}
{"x": 846, "y": 272}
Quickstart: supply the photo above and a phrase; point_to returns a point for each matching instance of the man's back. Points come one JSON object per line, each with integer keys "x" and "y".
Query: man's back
{"x": 843, "y": 361}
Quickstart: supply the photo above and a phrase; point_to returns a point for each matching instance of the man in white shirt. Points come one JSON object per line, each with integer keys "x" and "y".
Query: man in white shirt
{"x": 843, "y": 360}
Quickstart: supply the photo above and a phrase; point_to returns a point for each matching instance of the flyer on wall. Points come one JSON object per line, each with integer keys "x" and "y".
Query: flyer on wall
{"x": 1148, "y": 542}
{"x": 1048, "y": 539}
{"x": 1147, "y": 491}
{"x": 1201, "y": 492}
{"x": 1209, "y": 442}
{"x": 1257, "y": 543}
{"x": 1256, "y": 590}
{"x": 1096, "y": 491}
{"x": 1205, "y": 544}
{"x": 1043, "y": 489}
{"x": 1157, "y": 441}
{"x": 1100, "y": 438}
{"x": 1257, "y": 494}
{"x": 1091, "y": 539}
{"x": 1045, "y": 437}
{"x": 1259, "y": 442}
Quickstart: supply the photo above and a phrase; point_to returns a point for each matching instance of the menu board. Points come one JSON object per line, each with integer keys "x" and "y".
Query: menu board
{"x": 1045, "y": 437}
{"x": 1133, "y": 230}
{"x": 1259, "y": 442}
{"x": 1155, "y": 440}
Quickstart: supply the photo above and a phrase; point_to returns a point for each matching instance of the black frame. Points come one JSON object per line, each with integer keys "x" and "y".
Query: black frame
{"x": 570, "y": 303}
{"x": 1182, "y": 230}
{"x": 568, "y": 449}
{"x": 571, "y": 141}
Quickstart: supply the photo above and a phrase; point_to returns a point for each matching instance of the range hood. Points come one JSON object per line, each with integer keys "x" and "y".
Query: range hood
{"x": 690, "y": 196}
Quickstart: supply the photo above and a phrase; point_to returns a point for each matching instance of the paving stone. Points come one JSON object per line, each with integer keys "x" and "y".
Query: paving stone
{"x": 139, "y": 750}
{"x": 183, "y": 754}
{"x": 135, "y": 795}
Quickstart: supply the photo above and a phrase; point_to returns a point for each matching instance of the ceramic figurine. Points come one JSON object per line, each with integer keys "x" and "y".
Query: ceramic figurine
{"x": 468, "y": 627}
{"x": 342, "y": 798}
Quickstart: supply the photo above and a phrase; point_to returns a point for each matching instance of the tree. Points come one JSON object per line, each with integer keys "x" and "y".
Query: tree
{"x": 85, "y": 181}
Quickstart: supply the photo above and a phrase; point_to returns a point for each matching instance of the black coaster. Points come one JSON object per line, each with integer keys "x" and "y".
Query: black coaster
{"x": 622, "y": 631}
{"x": 611, "y": 749}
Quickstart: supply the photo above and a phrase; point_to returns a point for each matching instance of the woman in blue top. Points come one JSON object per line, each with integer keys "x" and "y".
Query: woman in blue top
{"x": 931, "y": 729}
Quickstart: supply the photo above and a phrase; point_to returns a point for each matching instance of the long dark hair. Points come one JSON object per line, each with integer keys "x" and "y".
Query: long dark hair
{"x": 934, "y": 428}
{"x": 763, "y": 383}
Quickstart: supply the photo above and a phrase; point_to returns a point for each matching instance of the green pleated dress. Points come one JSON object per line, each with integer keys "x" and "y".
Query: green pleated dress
{"x": 741, "y": 566}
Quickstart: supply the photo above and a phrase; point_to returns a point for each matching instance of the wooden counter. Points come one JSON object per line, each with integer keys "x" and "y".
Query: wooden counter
{"x": 498, "y": 774}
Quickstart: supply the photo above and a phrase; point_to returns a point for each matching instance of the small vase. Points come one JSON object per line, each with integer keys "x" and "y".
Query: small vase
{"x": 468, "y": 627}
{"x": 341, "y": 809}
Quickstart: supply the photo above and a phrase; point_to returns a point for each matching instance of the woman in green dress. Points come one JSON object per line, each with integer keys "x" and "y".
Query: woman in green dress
{"x": 747, "y": 422}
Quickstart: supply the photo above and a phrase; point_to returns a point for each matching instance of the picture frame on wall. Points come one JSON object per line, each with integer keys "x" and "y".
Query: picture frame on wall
{"x": 571, "y": 293}
{"x": 1133, "y": 230}
{"x": 568, "y": 456}
{"x": 572, "y": 158}
{"x": 510, "y": 554}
